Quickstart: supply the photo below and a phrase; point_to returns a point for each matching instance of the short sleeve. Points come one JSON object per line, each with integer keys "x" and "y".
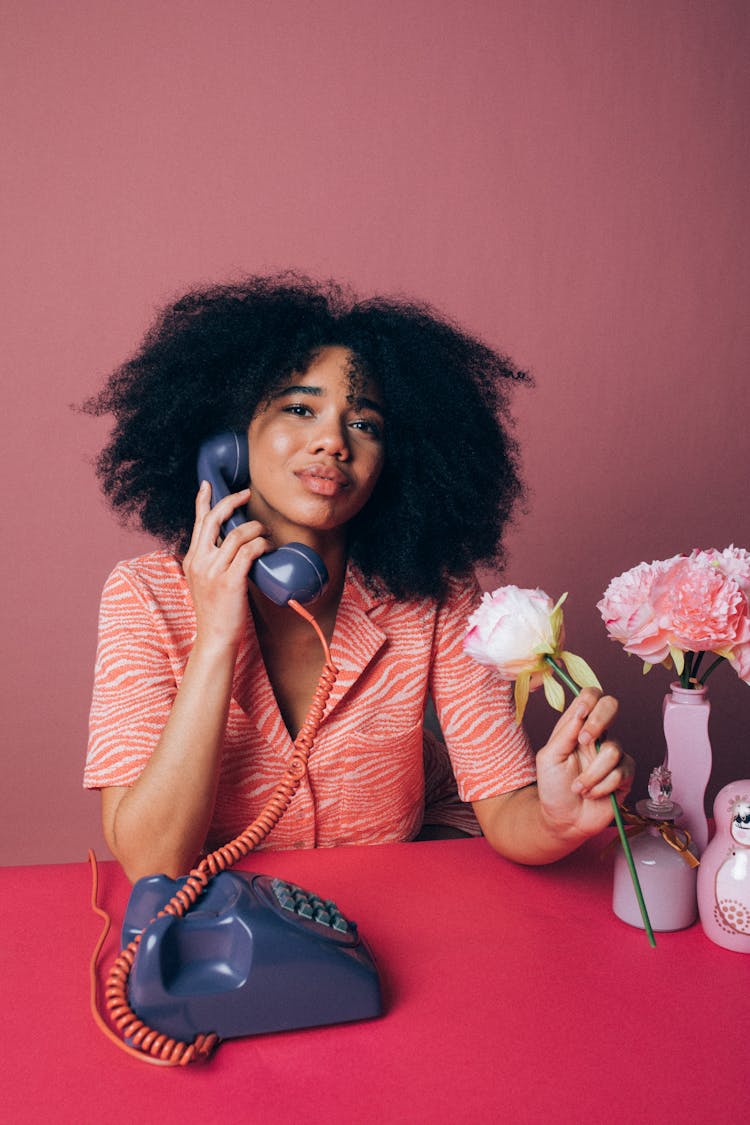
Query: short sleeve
{"x": 489, "y": 751}
{"x": 134, "y": 683}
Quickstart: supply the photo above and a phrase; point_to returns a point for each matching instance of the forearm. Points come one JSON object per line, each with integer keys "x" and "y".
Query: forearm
{"x": 159, "y": 825}
{"x": 516, "y": 826}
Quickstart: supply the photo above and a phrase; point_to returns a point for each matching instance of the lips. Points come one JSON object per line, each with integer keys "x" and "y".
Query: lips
{"x": 323, "y": 480}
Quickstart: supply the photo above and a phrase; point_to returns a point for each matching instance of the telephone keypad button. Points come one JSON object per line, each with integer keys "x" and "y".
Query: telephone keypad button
{"x": 312, "y": 908}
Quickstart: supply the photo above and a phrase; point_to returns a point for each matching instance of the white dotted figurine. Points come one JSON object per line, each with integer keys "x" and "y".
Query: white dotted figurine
{"x": 724, "y": 873}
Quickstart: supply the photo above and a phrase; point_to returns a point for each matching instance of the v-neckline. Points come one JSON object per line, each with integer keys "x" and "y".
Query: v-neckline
{"x": 355, "y": 641}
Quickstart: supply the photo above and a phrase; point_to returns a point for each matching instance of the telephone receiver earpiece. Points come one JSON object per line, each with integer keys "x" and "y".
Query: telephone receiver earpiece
{"x": 291, "y": 572}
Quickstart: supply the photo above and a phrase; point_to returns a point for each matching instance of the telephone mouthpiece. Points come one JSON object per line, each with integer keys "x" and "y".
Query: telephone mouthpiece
{"x": 291, "y": 572}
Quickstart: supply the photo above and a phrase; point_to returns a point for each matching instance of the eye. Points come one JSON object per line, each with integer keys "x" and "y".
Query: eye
{"x": 298, "y": 409}
{"x": 368, "y": 426}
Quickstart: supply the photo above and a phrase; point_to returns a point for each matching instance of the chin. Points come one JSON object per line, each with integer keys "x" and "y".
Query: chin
{"x": 303, "y": 526}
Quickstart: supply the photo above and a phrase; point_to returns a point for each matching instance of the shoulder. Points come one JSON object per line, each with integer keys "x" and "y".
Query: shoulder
{"x": 461, "y": 597}
{"x": 461, "y": 593}
{"x": 154, "y": 579}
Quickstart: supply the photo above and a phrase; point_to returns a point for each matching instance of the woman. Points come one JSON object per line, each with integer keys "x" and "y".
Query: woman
{"x": 376, "y": 437}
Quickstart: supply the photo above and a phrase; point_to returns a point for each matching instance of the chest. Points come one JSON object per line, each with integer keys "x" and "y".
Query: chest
{"x": 293, "y": 671}
{"x": 383, "y": 662}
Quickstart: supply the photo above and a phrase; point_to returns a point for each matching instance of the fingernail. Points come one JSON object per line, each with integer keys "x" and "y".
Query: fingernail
{"x": 584, "y": 737}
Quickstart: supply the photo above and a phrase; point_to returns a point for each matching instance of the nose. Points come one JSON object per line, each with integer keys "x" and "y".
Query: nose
{"x": 331, "y": 437}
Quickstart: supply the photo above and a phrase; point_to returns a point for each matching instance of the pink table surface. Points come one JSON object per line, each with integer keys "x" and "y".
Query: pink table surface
{"x": 512, "y": 994}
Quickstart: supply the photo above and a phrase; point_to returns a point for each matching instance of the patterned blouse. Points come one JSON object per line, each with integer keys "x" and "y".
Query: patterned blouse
{"x": 366, "y": 773}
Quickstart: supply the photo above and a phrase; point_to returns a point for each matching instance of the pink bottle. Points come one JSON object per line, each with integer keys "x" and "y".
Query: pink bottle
{"x": 724, "y": 874}
{"x": 667, "y": 877}
{"x": 686, "y": 713}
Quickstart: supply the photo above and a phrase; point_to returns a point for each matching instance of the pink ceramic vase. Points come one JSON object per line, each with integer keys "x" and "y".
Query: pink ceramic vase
{"x": 724, "y": 873}
{"x": 686, "y": 712}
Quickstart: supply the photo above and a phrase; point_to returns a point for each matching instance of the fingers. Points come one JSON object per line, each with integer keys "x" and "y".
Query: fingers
{"x": 604, "y": 770}
{"x": 216, "y": 571}
{"x": 585, "y": 720}
{"x": 574, "y": 740}
{"x": 596, "y": 713}
{"x": 241, "y": 546}
{"x": 208, "y": 520}
{"x": 609, "y": 771}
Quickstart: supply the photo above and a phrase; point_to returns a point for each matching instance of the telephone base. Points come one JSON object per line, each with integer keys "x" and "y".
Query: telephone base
{"x": 253, "y": 955}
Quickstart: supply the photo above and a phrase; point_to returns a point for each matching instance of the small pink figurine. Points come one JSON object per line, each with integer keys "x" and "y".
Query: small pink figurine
{"x": 724, "y": 873}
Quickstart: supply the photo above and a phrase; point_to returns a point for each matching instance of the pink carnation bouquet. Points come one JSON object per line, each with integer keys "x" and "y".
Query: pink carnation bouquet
{"x": 521, "y": 634}
{"x": 673, "y": 612}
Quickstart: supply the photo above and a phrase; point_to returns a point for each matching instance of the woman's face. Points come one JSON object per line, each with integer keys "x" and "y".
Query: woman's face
{"x": 316, "y": 450}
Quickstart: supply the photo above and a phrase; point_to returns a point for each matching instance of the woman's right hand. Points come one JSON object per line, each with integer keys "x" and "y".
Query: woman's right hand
{"x": 217, "y": 572}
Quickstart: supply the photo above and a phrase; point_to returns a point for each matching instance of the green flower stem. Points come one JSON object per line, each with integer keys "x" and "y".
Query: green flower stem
{"x": 710, "y": 669}
{"x": 563, "y": 675}
{"x": 687, "y": 670}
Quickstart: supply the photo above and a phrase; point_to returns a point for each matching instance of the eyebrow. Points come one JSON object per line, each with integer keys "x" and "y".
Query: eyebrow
{"x": 360, "y": 402}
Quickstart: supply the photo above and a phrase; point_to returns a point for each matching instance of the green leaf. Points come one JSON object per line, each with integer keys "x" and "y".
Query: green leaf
{"x": 646, "y": 667}
{"x": 678, "y": 657}
{"x": 553, "y": 692}
{"x": 579, "y": 670}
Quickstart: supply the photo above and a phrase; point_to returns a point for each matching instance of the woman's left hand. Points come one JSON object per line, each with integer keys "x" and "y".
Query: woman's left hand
{"x": 574, "y": 781}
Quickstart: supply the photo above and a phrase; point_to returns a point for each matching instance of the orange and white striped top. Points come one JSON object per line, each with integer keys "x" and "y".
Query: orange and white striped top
{"x": 365, "y": 781}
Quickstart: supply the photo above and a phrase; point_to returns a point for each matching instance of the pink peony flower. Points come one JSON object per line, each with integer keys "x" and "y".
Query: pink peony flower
{"x": 632, "y": 612}
{"x": 732, "y": 561}
{"x": 704, "y": 609}
{"x": 680, "y": 607}
{"x": 512, "y": 629}
{"x": 515, "y": 631}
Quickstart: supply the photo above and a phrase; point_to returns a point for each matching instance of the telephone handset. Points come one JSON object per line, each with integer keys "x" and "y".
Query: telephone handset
{"x": 294, "y": 571}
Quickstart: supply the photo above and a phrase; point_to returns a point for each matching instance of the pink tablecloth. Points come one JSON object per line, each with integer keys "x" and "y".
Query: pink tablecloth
{"x": 512, "y": 994}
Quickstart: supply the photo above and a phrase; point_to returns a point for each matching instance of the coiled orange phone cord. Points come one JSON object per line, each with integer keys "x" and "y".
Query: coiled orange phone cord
{"x": 153, "y": 1046}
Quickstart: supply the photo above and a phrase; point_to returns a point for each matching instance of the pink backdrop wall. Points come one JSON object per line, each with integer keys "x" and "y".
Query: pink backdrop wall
{"x": 566, "y": 178}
